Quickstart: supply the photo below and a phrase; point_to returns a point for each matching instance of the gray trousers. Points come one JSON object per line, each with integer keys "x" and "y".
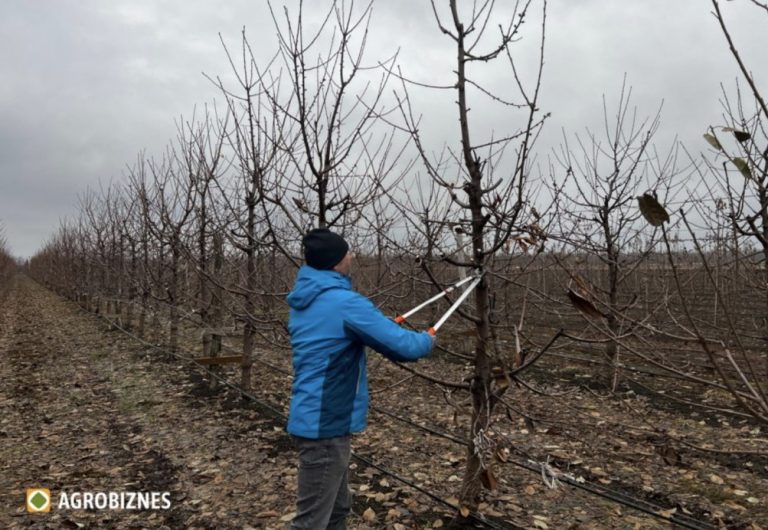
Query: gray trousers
{"x": 323, "y": 499}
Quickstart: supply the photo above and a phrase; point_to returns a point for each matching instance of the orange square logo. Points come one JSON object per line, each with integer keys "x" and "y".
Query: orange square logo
{"x": 38, "y": 500}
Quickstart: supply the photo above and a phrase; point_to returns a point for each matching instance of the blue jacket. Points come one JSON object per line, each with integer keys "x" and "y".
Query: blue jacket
{"x": 330, "y": 325}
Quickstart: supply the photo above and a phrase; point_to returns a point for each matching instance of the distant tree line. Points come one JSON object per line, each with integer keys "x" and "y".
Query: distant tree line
{"x": 7, "y": 262}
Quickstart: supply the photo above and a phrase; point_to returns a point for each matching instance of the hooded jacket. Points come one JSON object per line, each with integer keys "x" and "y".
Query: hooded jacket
{"x": 330, "y": 325}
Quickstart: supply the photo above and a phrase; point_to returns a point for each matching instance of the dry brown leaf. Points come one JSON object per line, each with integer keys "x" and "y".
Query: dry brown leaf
{"x": 581, "y": 283}
{"x": 735, "y": 505}
{"x": 743, "y": 167}
{"x": 583, "y": 305}
{"x": 489, "y": 481}
{"x": 530, "y": 489}
{"x": 369, "y": 515}
{"x": 652, "y": 210}
{"x": 713, "y": 141}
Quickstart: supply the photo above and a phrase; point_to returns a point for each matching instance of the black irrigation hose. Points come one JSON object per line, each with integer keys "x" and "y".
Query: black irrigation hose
{"x": 594, "y": 489}
{"x": 479, "y": 518}
{"x": 430, "y": 430}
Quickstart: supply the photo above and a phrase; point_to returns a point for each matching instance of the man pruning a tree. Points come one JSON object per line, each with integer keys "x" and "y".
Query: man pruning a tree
{"x": 330, "y": 324}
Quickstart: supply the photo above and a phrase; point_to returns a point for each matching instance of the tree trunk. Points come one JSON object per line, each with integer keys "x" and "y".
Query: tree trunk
{"x": 215, "y": 314}
{"x": 204, "y": 299}
{"x": 173, "y": 340}
{"x": 131, "y": 288}
{"x": 250, "y": 295}
{"x": 612, "y": 348}
{"x": 480, "y": 387}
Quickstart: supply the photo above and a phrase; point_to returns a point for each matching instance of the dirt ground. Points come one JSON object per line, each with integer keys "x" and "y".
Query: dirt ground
{"x": 86, "y": 408}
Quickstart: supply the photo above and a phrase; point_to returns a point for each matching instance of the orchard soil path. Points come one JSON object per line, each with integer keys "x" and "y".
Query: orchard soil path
{"x": 87, "y": 408}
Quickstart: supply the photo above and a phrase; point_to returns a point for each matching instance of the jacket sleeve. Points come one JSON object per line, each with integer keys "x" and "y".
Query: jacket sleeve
{"x": 364, "y": 321}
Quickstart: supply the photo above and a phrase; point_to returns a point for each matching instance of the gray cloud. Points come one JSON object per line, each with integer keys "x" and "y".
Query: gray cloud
{"x": 87, "y": 84}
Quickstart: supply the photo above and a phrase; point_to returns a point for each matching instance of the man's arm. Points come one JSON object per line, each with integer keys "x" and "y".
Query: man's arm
{"x": 364, "y": 321}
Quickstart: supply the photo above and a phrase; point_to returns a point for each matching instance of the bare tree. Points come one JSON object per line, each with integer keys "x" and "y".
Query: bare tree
{"x": 492, "y": 210}
{"x": 253, "y": 224}
{"x": 168, "y": 204}
{"x": 740, "y": 168}
{"x": 340, "y": 155}
{"x": 201, "y": 144}
{"x": 309, "y": 151}
{"x": 734, "y": 349}
{"x": 598, "y": 217}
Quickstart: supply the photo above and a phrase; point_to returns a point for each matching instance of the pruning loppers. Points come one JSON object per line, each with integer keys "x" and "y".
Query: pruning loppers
{"x": 473, "y": 281}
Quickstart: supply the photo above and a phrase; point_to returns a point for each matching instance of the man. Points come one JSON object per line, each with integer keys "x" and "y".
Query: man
{"x": 330, "y": 325}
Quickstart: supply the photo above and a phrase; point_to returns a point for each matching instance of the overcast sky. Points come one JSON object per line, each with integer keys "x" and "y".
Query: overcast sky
{"x": 87, "y": 84}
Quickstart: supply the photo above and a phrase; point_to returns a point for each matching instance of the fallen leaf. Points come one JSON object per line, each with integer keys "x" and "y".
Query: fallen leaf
{"x": 369, "y": 515}
{"x": 667, "y": 513}
{"x": 530, "y": 490}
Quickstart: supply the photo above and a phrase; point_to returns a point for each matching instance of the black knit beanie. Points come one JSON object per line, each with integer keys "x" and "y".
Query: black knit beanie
{"x": 323, "y": 249}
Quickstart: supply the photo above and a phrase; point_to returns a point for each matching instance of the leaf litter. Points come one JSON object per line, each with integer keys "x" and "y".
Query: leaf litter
{"x": 85, "y": 408}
